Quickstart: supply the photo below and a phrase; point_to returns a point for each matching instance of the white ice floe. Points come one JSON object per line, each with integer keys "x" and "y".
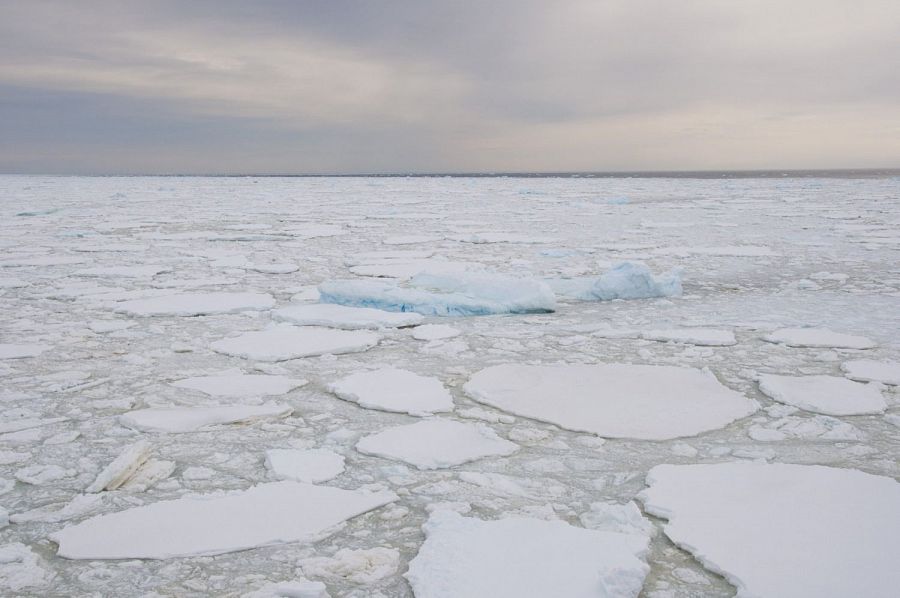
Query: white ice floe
{"x": 104, "y": 326}
{"x": 436, "y": 443}
{"x": 21, "y": 568}
{"x": 190, "y": 419}
{"x": 282, "y": 268}
{"x": 704, "y": 337}
{"x": 648, "y": 402}
{"x": 342, "y": 316}
{"x": 15, "y": 424}
{"x": 298, "y": 588}
{"x": 7, "y": 282}
{"x": 525, "y": 558}
{"x": 817, "y": 427}
{"x": 356, "y": 566}
{"x": 123, "y": 467}
{"x": 470, "y": 294}
{"x": 410, "y": 239}
{"x": 829, "y": 395}
{"x": 14, "y": 351}
{"x": 818, "y": 338}
{"x": 284, "y": 342}
{"x": 407, "y": 269}
{"x": 196, "y": 304}
{"x": 143, "y": 271}
{"x": 241, "y": 385}
{"x": 778, "y": 530}
{"x": 867, "y": 370}
{"x": 267, "y": 514}
{"x": 722, "y": 250}
{"x": 434, "y": 332}
{"x": 310, "y": 465}
{"x": 390, "y": 389}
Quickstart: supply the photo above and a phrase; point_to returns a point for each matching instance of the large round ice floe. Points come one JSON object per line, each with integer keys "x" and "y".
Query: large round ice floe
{"x": 342, "y": 316}
{"x": 241, "y": 385}
{"x": 649, "y": 402}
{"x": 521, "y": 557}
{"x": 280, "y": 343}
{"x": 391, "y": 389}
{"x": 778, "y": 530}
{"x": 819, "y": 338}
{"x": 195, "y": 304}
{"x": 867, "y": 370}
{"x": 266, "y": 514}
{"x": 830, "y": 395}
{"x": 436, "y": 443}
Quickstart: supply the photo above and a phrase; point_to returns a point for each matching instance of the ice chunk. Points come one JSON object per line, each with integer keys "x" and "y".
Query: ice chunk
{"x": 704, "y": 337}
{"x": 21, "y": 568}
{"x": 143, "y": 271}
{"x": 759, "y": 524}
{"x": 355, "y": 566}
{"x": 284, "y": 342}
{"x": 819, "y": 338}
{"x": 867, "y": 370}
{"x": 525, "y": 558}
{"x": 299, "y": 588}
{"x": 123, "y": 467}
{"x": 445, "y": 295}
{"x": 13, "y": 351}
{"x": 311, "y": 465}
{"x": 282, "y": 268}
{"x": 434, "y": 332}
{"x": 436, "y": 443}
{"x": 196, "y": 304}
{"x": 341, "y": 316}
{"x": 829, "y": 395}
{"x": 391, "y": 389}
{"x": 635, "y": 281}
{"x": 190, "y": 419}
{"x": 267, "y": 514}
{"x": 649, "y": 402}
{"x": 241, "y": 386}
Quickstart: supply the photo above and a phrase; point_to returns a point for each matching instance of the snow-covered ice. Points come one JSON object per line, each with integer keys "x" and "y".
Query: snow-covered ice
{"x": 309, "y": 465}
{"x": 868, "y": 370}
{"x": 123, "y": 467}
{"x": 392, "y": 389}
{"x": 347, "y": 318}
{"x": 434, "y": 332}
{"x": 241, "y": 386}
{"x": 436, "y": 443}
{"x": 190, "y": 419}
{"x": 285, "y": 342}
{"x": 195, "y": 304}
{"x": 266, "y": 514}
{"x": 783, "y": 530}
{"x": 704, "y": 337}
{"x": 613, "y": 400}
{"x": 14, "y": 351}
{"x": 517, "y": 557}
{"x": 829, "y": 395}
{"x": 819, "y": 337}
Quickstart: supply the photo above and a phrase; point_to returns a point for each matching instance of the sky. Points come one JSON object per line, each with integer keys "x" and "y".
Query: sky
{"x": 368, "y": 86}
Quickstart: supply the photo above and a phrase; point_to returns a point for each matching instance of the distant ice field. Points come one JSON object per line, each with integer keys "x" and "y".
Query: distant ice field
{"x": 185, "y": 348}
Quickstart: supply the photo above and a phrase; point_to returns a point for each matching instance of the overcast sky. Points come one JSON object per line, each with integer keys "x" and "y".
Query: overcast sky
{"x": 289, "y": 86}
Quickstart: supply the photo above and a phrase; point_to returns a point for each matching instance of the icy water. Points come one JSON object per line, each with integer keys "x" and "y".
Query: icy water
{"x": 757, "y": 255}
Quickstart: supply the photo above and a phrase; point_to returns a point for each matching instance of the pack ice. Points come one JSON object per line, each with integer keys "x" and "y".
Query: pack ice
{"x": 190, "y": 419}
{"x": 273, "y": 513}
{"x": 195, "y": 304}
{"x": 241, "y": 385}
{"x": 780, "y": 530}
{"x": 521, "y": 557}
{"x": 392, "y": 389}
{"x": 867, "y": 370}
{"x": 647, "y": 402}
{"x": 819, "y": 338}
{"x": 284, "y": 342}
{"x": 829, "y": 395}
{"x": 341, "y": 316}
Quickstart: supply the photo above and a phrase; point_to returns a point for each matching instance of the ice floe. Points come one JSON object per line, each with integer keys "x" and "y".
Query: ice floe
{"x": 521, "y": 557}
{"x": 436, "y": 443}
{"x": 267, "y": 514}
{"x": 867, "y": 370}
{"x": 391, "y": 389}
{"x": 196, "y": 304}
{"x": 761, "y": 525}
{"x": 342, "y": 316}
{"x": 240, "y": 385}
{"x": 14, "y": 351}
{"x": 307, "y": 465}
{"x": 646, "y": 402}
{"x": 829, "y": 395}
{"x": 365, "y": 566}
{"x": 434, "y": 332}
{"x": 190, "y": 419}
{"x": 123, "y": 467}
{"x": 704, "y": 337}
{"x": 818, "y": 338}
{"x": 284, "y": 342}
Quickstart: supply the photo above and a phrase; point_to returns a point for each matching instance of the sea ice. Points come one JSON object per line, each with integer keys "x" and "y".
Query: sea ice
{"x": 299, "y": 588}
{"x": 390, "y": 389}
{"x": 434, "y": 332}
{"x": 436, "y": 443}
{"x": 241, "y": 386}
{"x": 818, "y": 338}
{"x": 704, "y": 337}
{"x": 267, "y": 514}
{"x": 13, "y": 351}
{"x": 284, "y": 342}
{"x": 521, "y": 557}
{"x": 310, "y": 465}
{"x": 190, "y": 419}
{"x": 829, "y": 395}
{"x": 867, "y": 370}
{"x": 195, "y": 304}
{"x": 648, "y": 402}
{"x": 635, "y": 281}
{"x": 356, "y": 566}
{"x": 20, "y": 568}
{"x": 342, "y": 316}
{"x": 143, "y": 271}
{"x": 761, "y": 524}
{"x": 123, "y": 467}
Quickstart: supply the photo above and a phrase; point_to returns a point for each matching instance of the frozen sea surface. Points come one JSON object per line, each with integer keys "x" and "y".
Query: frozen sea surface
{"x": 116, "y": 293}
